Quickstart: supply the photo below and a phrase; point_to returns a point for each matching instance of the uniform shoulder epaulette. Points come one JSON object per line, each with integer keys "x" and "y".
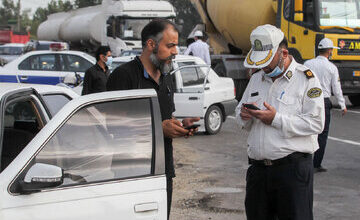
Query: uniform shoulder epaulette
{"x": 308, "y": 73}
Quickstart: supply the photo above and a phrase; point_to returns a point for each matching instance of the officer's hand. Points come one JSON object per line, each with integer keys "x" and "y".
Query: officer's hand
{"x": 172, "y": 128}
{"x": 344, "y": 111}
{"x": 244, "y": 114}
{"x": 266, "y": 116}
{"x": 188, "y": 122}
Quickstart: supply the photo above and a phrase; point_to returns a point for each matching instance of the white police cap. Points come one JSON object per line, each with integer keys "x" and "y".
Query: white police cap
{"x": 265, "y": 40}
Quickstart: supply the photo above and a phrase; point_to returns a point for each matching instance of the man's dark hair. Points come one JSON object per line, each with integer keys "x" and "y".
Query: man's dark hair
{"x": 283, "y": 43}
{"x": 154, "y": 30}
{"x": 102, "y": 50}
{"x": 323, "y": 51}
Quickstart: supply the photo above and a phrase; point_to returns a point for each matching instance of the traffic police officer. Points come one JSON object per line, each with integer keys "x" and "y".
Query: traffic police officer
{"x": 279, "y": 181}
{"x": 328, "y": 75}
{"x": 199, "y": 48}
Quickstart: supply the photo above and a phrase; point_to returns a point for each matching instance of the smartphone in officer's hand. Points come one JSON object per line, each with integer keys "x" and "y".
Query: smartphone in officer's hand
{"x": 192, "y": 127}
{"x": 250, "y": 106}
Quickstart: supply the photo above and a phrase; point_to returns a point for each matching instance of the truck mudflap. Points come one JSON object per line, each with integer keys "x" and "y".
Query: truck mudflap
{"x": 229, "y": 107}
{"x": 349, "y": 73}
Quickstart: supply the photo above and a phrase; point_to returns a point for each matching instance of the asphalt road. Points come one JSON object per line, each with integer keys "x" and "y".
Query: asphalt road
{"x": 210, "y": 182}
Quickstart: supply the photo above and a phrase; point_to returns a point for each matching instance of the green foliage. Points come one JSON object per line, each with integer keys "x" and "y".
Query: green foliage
{"x": 86, "y": 3}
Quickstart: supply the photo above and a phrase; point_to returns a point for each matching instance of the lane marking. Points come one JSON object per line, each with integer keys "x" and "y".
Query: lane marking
{"x": 232, "y": 117}
{"x": 349, "y": 111}
{"x": 345, "y": 141}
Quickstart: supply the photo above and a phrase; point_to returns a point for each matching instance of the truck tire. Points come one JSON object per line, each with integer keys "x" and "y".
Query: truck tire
{"x": 240, "y": 86}
{"x": 220, "y": 69}
{"x": 213, "y": 120}
{"x": 354, "y": 99}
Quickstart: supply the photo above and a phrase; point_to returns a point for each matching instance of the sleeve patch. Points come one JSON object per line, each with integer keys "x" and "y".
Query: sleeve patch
{"x": 314, "y": 92}
{"x": 308, "y": 74}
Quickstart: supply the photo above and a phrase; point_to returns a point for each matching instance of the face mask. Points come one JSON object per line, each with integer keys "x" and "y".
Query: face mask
{"x": 276, "y": 71}
{"x": 109, "y": 61}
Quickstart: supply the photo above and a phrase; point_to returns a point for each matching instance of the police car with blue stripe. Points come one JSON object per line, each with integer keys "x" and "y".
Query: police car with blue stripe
{"x": 46, "y": 67}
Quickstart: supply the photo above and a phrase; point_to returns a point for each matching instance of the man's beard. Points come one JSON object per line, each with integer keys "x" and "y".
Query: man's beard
{"x": 161, "y": 64}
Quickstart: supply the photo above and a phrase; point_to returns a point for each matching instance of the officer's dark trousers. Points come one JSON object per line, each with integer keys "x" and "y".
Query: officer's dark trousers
{"x": 282, "y": 192}
{"x": 169, "y": 190}
{"x": 322, "y": 138}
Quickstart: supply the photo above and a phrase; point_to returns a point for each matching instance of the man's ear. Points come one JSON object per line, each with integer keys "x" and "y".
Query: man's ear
{"x": 151, "y": 44}
{"x": 285, "y": 52}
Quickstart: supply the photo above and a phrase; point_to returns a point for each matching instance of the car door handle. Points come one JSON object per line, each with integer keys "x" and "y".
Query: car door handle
{"x": 24, "y": 77}
{"x": 193, "y": 98}
{"x": 146, "y": 207}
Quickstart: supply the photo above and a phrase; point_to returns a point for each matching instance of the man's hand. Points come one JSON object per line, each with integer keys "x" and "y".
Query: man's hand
{"x": 173, "y": 128}
{"x": 266, "y": 116}
{"x": 344, "y": 111}
{"x": 188, "y": 122}
{"x": 244, "y": 114}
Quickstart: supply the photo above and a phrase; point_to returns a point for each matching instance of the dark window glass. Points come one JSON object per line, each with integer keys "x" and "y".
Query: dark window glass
{"x": 77, "y": 63}
{"x": 55, "y": 102}
{"x": 45, "y": 62}
{"x": 103, "y": 142}
{"x": 191, "y": 75}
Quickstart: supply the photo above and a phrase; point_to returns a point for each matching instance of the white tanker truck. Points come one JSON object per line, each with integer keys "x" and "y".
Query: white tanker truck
{"x": 116, "y": 23}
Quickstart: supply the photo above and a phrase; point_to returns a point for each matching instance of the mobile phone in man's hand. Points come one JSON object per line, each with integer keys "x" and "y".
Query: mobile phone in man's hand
{"x": 192, "y": 127}
{"x": 250, "y": 106}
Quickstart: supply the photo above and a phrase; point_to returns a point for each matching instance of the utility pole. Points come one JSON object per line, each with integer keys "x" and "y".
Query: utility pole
{"x": 19, "y": 16}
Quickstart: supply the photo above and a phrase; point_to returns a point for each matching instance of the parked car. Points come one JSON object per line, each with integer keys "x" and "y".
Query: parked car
{"x": 99, "y": 156}
{"x": 9, "y": 52}
{"x": 126, "y": 53}
{"x": 46, "y": 66}
{"x": 212, "y": 101}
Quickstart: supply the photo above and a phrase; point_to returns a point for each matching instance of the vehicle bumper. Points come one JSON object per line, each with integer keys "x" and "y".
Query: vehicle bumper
{"x": 229, "y": 107}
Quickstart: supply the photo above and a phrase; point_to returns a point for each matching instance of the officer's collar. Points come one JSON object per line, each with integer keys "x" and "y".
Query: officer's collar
{"x": 289, "y": 73}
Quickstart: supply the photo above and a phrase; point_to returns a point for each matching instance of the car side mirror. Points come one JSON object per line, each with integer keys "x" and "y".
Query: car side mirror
{"x": 41, "y": 176}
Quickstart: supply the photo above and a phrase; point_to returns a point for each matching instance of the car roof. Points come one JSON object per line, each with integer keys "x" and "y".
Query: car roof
{"x": 13, "y": 45}
{"x": 42, "y": 89}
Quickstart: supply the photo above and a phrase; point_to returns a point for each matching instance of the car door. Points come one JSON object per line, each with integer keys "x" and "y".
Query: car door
{"x": 110, "y": 153}
{"x": 76, "y": 64}
{"x": 41, "y": 69}
{"x": 189, "y": 93}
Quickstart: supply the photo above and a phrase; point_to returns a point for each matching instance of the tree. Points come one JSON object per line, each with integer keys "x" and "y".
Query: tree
{"x": 8, "y": 12}
{"x": 86, "y": 3}
{"x": 52, "y": 7}
{"x": 186, "y": 16}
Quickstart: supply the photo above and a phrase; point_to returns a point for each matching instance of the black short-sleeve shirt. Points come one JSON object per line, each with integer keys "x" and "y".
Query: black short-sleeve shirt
{"x": 132, "y": 75}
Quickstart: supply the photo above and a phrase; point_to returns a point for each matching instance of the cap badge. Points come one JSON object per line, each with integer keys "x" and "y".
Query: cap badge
{"x": 258, "y": 45}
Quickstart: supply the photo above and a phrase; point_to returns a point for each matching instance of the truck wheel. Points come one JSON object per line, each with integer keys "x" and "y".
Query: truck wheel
{"x": 213, "y": 120}
{"x": 354, "y": 99}
{"x": 240, "y": 86}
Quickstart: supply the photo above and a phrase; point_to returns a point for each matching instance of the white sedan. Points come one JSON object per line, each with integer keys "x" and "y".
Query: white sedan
{"x": 99, "y": 156}
{"x": 46, "y": 66}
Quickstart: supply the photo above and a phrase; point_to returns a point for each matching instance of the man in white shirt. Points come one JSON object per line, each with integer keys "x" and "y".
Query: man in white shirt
{"x": 199, "y": 48}
{"x": 282, "y": 133}
{"x": 328, "y": 75}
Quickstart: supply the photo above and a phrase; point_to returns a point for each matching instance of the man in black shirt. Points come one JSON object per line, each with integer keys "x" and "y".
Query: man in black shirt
{"x": 159, "y": 41}
{"x": 96, "y": 76}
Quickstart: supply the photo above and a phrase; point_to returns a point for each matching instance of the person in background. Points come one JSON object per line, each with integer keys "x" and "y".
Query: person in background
{"x": 96, "y": 76}
{"x": 283, "y": 108}
{"x": 199, "y": 48}
{"x": 328, "y": 75}
{"x": 150, "y": 70}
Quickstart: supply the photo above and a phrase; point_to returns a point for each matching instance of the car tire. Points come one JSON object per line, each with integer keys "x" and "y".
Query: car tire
{"x": 213, "y": 120}
{"x": 354, "y": 99}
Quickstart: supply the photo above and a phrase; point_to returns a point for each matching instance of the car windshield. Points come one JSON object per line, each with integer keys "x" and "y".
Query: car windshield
{"x": 7, "y": 50}
{"x": 344, "y": 13}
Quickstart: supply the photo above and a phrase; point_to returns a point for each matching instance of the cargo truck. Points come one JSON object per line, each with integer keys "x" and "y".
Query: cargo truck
{"x": 7, "y": 35}
{"x": 228, "y": 24}
{"x": 117, "y": 24}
